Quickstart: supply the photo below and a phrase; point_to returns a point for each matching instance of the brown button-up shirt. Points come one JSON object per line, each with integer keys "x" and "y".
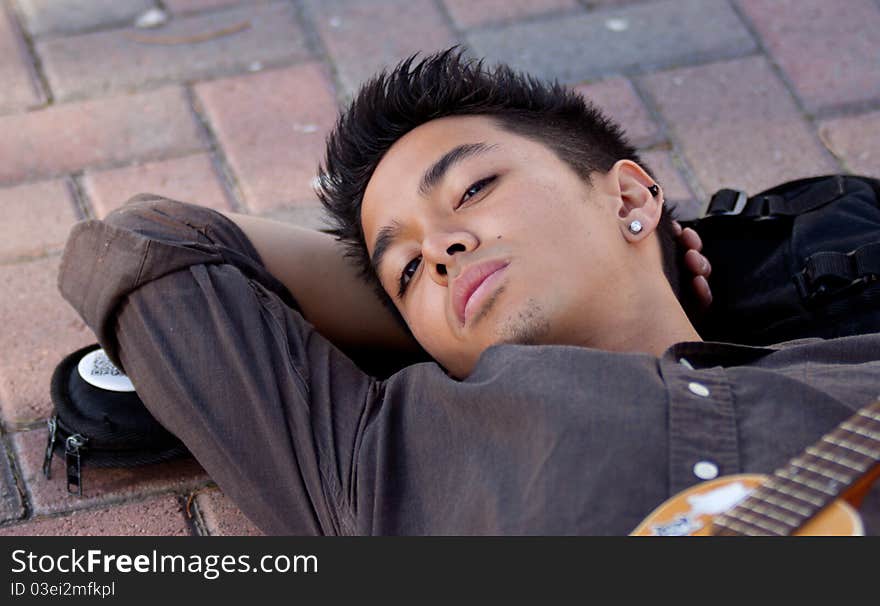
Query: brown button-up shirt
{"x": 549, "y": 439}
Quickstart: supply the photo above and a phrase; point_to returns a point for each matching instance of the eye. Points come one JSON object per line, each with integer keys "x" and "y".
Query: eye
{"x": 408, "y": 272}
{"x": 475, "y": 189}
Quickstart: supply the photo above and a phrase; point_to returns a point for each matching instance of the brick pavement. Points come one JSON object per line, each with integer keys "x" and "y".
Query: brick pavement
{"x": 228, "y": 103}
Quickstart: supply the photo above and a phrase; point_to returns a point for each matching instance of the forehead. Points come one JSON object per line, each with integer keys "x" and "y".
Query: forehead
{"x": 396, "y": 179}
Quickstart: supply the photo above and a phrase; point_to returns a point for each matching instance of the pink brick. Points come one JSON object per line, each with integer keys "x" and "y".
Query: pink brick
{"x": 20, "y": 89}
{"x": 272, "y": 127}
{"x": 187, "y": 48}
{"x": 827, "y": 49}
{"x": 38, "y": 329}
{"x": 364, "y": 37}
{"x": 36, "y": 219}
{"x": 738, "y": 125}
{"x": 157, "y": 517}
{"x": 618, "y": 99}
{"x": 855, "y": 140}
{"x": 69, "y": 137}
{"x": 222, "y": 517}
{"x": 675, "y": 189}
{"x": 190, "y": 179}
{"x": 100, "y": 485}
{"x": 182, "y": 7}
{"x": 472, "y": 13}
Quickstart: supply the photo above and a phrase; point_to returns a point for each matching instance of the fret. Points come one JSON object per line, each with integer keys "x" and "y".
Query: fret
{"x": 740, "y": 527}
{"x": 842, "y": 461}
{"x": 819, "y": 471}
{"x": 862, "y": 431}
{"x": 798, "y": 494}
{"x": 785, "y": 473}
{"x": 771, "y": 512}
{"x": 843, "y": 443}
{"x": 786, "y": 504}
{"x": 759, "y": 522}
{"x": 870, "y": 414}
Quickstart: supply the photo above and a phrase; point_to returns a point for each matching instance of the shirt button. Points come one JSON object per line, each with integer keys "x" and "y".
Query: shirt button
{"x": 706, "y": 470}
{"x": 698, "y": 389}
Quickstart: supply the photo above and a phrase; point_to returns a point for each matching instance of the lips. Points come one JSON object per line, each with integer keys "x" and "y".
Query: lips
{"x": 469, "y": 281}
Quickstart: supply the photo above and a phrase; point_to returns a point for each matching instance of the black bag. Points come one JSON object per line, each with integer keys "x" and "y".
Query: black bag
{"x": 99, "y": 427}
{"x": 799, "y": 260}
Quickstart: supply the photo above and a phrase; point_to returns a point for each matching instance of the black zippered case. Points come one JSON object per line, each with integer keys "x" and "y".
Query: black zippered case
{"x": 96, "y": 427}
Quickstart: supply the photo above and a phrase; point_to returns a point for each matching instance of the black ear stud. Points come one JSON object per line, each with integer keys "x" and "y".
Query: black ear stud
{"x": 654, "y": 189}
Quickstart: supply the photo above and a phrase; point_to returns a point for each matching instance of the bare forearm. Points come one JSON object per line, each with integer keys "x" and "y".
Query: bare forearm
{"x": 332, "y": 296}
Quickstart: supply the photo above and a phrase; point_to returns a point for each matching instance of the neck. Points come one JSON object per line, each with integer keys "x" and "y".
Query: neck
{"x": 649, "y": 320}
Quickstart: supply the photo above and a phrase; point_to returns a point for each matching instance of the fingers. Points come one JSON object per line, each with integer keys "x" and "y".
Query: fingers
{"x": 691, "y": 239}
{"x": 697, "y": 264}
{"x": 702, "y": 292}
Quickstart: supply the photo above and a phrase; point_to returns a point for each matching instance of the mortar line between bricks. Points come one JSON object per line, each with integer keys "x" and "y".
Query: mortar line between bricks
{"x": 128, "y": 24}
{"x": 675, "y": 147}
{"x": 35, "y": 64}
{"x": 551, "y": 15}
{"x": 197, "y": 521}
{"x": 83, "y": 208}
{"x": 15, "y": 470}
{"x": 127, "y": 163}
{"x": 315, "y": 44}
{"x": 809, "y": 117}
{"x": 9, "y": 261}
{"x": 94, "y": 506}
{"x": 231, "y": 186}
{"x": 441, "y": 7}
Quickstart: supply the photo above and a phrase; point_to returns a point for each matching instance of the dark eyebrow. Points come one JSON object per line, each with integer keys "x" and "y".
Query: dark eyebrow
{"x": 435, "y": 173}
{"x": 438, "y": 170}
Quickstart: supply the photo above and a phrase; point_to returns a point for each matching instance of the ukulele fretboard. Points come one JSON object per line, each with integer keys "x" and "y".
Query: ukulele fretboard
{"x": 810, "y": 482}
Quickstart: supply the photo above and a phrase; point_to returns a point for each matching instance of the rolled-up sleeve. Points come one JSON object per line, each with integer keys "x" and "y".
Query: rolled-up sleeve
{"x": 179, "y": 298}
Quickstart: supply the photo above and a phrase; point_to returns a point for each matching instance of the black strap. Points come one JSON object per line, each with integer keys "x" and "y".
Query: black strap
{"x": 830, "y": 273}
{"x": 770, "y": 205}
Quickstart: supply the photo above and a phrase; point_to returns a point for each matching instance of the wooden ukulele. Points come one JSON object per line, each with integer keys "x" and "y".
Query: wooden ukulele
{"x": 814, "y": 494}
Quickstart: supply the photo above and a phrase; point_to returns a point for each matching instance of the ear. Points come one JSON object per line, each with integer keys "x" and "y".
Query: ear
{"x": 636, "y": 201}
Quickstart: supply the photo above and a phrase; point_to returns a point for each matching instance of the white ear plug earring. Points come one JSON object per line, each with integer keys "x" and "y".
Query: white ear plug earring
{"x": 635, "y": 227}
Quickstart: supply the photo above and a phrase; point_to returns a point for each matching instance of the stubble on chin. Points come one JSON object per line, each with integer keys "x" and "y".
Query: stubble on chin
{"x": 529, "y": 326}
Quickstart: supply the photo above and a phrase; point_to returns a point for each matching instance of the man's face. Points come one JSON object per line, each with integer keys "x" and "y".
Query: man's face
{"x": 501, "y": 242}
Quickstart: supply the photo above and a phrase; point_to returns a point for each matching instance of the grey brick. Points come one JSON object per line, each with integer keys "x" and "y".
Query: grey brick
{"x": 65, "y": 16}
{"x": 101, "y": 62}
{"x": 619, "y": 40}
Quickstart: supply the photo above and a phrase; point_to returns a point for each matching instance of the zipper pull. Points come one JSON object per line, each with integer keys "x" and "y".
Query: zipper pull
{"x": 71, "y": 451}
{"x": 50, "y": 446}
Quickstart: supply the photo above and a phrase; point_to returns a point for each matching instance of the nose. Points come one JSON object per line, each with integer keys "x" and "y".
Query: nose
{"x": 442, "y": 253}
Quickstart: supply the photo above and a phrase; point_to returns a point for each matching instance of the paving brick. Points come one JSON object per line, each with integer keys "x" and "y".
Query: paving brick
{"x": 618, "y": 98}
{"x": 20, "y": 88}
{"x": 69, "y": 137}
{"x": 473, "y": 13}
{"x": 64, "y": 16}
{"x": 117, "y": 60}
{"x": 737, "y": 124}
{"x": 630, "y": 39}
{"x": 222, "y": 517}
{"x": 39, "y": 329}
{"x": 364, "y": 37}
{"x": 856, "y": 141}
{"x": 272, "y": 127}
{"x": 157, "y": 517}
{"x": 11, "y": 507}
{"x": 36, "y": 219}
{"x": 100, "y": 485}
{"x": 190, "y": 179}
{"x": 828, "y": 50}
{"x": 182, "y": 7}
{"x": 675, "y": 189}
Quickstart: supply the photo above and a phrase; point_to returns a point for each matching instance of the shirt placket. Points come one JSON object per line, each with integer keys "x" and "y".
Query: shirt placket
{"x": 703, "y": 440}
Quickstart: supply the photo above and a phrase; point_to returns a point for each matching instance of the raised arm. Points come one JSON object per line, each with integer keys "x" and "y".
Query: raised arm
{"x": 333, "y": 298}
